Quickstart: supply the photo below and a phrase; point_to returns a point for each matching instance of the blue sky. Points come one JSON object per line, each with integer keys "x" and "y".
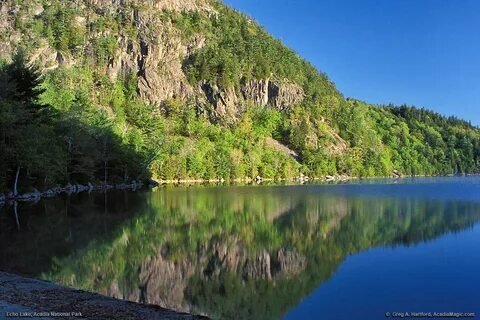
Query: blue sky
{"x": 419, "y": 52}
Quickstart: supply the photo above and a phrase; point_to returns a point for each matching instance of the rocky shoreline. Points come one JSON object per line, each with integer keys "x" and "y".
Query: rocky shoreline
{"x": 69, "y": 189}
{"x": 25, "y": 298}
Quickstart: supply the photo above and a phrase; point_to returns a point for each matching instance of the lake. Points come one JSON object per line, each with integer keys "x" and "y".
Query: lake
{"x": 356, "y": 250}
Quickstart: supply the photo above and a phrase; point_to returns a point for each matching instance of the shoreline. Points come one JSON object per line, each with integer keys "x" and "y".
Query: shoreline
{"x": 70, "y": 189}
{"x": 27, "y": 297}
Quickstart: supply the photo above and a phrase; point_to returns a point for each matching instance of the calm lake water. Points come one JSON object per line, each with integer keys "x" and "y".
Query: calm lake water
{"x": 349, "y": 251}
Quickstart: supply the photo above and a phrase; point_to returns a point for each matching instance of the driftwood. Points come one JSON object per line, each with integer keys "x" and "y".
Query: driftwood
{"x": 15, "y": 192}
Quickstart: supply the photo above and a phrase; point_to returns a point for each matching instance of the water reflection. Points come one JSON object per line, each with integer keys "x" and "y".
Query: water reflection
{"x": 236, "y": 252}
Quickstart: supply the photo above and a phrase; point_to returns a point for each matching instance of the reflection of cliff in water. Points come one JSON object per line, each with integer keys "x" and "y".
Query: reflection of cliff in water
{"x": 232, "y": 253}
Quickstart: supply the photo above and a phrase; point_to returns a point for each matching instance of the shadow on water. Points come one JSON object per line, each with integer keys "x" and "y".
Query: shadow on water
{"x": 227, "y": 252}
{"x": 36, "y": 233}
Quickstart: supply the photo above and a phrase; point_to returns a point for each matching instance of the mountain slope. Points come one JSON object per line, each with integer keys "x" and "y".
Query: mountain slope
{"x": 193, "y": 89}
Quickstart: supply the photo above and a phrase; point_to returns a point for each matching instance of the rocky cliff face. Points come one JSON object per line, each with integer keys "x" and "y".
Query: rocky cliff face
{"x": 159, "y": 66}
{"x": 284, "y": 94}
{"x": 230, "y": 104}
{"x": 256, "y": 91}
{"x": 155, "y": 54}
{"x": 281, "y": 94}
{"x": 9, "y": 37}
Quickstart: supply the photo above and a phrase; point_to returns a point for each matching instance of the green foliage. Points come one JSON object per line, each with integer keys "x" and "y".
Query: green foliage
{"x": 93, "y": 118}
{"x": 424, "y": 142}
{"x": 59, "y": 138}
{"x": 28, "y": 139}
{"x": 196, "y": 149}
{"x": 60, "y": 28}
{"x": 104, "y": 47}
{"x": 238, "y": 48}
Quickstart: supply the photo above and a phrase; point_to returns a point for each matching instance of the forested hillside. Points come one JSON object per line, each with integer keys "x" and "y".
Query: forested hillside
{"x": 112, "y": 91}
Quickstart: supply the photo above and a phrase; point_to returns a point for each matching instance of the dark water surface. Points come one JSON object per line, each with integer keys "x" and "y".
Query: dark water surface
{"x": 350, "y": 251}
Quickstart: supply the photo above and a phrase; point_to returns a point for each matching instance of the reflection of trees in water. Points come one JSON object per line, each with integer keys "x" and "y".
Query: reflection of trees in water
{"x": 59, "y": 226}
{"x": 234, "y": 253}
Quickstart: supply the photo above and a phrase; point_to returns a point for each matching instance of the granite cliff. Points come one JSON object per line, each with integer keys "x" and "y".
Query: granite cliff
{"x": 155, "y": 52}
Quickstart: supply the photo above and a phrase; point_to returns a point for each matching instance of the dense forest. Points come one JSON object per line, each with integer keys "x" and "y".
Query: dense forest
{"x": 107, "y": 92}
